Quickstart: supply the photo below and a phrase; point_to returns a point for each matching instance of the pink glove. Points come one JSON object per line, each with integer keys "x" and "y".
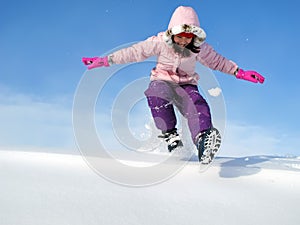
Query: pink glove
{"x": 95, "y": 62}
{"x": 88, "y": 61}
{"x": 250, "y": 76}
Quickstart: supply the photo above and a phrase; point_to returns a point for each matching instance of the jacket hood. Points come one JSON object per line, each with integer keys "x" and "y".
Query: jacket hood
{"x": 185, "y": 19}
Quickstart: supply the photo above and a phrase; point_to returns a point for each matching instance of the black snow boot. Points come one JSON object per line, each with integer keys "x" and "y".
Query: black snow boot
{"x": 208, "y": 144}
{"x": 172, "y": 138}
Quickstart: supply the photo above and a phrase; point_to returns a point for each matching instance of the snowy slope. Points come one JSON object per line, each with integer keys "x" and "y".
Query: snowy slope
{"x": 56, "y": 189}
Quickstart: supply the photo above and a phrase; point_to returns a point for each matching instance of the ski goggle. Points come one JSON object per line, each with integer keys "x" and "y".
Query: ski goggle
{"x": 185, "y": 34}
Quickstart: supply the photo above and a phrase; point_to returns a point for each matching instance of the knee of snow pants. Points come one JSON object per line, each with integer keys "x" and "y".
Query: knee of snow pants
{"x": 194, "y": 108}
{"x": 159, "y": 96}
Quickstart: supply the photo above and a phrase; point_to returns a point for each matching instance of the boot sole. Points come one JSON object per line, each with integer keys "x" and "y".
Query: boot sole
{"x": 211, "y": 146}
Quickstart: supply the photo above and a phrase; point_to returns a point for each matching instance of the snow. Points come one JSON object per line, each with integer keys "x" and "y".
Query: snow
{"x": 215, "y": 92}
{"x": 61, "y": 189}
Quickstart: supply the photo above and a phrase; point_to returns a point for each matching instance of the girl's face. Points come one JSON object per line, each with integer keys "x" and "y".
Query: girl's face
{"x": 182, "y": 41}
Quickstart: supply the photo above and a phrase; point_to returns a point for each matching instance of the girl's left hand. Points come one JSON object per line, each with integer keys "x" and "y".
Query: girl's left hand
{"x": 250, "y": 76}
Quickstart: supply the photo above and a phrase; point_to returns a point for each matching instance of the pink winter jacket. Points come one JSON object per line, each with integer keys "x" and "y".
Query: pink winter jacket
{"x": 172, "y": 66}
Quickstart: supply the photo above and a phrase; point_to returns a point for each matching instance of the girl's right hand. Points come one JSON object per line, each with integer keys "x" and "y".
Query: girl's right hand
{"x": 95, "y": 62}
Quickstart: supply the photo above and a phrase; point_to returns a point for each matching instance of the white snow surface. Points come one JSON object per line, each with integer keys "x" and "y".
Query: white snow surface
{"x": 61, "y": 189}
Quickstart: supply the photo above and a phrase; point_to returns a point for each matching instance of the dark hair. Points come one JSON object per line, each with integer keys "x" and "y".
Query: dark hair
{"x": 192, "y": 47}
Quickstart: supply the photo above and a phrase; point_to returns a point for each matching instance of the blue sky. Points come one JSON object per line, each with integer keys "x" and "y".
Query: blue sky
{"x": 42, "y": 42}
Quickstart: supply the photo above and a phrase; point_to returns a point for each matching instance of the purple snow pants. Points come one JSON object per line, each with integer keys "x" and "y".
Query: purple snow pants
{"x": 163, "y": 95}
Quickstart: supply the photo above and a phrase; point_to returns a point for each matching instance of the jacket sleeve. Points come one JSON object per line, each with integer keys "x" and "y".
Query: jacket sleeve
{"x": 210, "y": 58}
{"x": 137, "y": 52}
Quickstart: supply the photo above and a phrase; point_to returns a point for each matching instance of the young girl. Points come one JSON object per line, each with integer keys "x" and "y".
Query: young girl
{"x": 173, "y": 81}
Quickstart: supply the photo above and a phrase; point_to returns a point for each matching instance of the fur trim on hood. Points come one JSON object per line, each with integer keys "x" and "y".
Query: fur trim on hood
{"x": 185, "y": 19}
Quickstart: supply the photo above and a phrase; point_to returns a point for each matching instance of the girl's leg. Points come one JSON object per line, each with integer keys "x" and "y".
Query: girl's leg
{"x": 195, "y": 108}
{"x": 159, "y": 95}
